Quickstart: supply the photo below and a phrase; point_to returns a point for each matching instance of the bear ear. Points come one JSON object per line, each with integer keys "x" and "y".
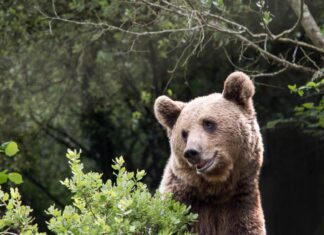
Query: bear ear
{"x": 167, "y": 111}
{"x": 239, "y": 88}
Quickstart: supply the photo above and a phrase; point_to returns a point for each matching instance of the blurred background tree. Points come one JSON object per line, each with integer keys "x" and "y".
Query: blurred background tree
{"x": 85, "y": 74}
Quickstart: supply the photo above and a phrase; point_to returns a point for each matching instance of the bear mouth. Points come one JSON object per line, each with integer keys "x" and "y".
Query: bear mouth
{"x": 204, "y": 165}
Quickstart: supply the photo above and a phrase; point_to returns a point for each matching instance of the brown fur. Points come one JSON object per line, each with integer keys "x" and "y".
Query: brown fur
{"x": 225, "y": 194}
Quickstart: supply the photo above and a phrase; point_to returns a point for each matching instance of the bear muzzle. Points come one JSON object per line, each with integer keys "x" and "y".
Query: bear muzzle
{"x": 192, "y": 155}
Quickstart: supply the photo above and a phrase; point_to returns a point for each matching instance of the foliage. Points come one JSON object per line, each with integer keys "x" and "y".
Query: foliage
{"x": 10, "y": 149}
{"x": 266, "y": 15}
{"x": 124, "y": 207}
{"x": 311, "y": 113}
{"x": 16, "y": 219}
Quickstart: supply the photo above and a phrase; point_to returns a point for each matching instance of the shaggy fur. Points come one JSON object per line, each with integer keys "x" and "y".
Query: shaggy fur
{"x": 222, "y": 186}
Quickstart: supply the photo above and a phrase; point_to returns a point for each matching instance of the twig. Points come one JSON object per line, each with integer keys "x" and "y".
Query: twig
{"x": 197, "y": 22}
{"x": 268, "y": 85}
{"x": 54, "y": 9}
{"x": 108, "y": 27}
{"x": 8, "y": 233}
{"x": 302, "y": 44}
{"x": 310, "y": 59}
{"x": 253, "y": 74}
{"x": 269, "y": 74}
{"x": 300, "y": 17}
{"x": 275, "y": 58}
{"x": 235, "y": 65}
{"x": 294, "y": 54}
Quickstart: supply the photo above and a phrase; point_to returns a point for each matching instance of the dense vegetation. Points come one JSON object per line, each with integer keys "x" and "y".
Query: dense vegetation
{"x": 85, "y": 74}
{"x": 124, "y": 207}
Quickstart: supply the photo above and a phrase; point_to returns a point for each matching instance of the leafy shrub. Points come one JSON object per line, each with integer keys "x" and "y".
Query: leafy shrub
{"x": 16, "y": 219}
{"x": 310, "y": 113}
{"x": 124, "y": 207}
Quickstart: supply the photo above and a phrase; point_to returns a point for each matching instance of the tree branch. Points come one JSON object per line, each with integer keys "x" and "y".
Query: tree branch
{"x": 199, "y": 20}
{"x": 273, "y": 57}
{"x": 300, "y": 16}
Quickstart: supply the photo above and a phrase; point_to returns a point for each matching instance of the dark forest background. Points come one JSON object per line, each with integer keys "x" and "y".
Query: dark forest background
{"x": 68, "y": 79}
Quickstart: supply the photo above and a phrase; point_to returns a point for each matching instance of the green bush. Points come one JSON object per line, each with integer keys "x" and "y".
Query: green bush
{"x": 124, "y": 207}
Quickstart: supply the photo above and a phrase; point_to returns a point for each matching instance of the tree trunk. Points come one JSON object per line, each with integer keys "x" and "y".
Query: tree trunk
{"x": 309, "y": 24}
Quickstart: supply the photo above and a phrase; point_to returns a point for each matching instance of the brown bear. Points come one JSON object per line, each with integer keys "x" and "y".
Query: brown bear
{"x": 216, "y": 156}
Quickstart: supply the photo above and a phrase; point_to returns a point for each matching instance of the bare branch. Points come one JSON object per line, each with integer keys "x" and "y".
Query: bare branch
{"x": 198, "y": 21}
{"x": 268, "y": 85}
{"x": 254, "y": 74}
{"x": 310, "y": 59}
{"x": 54, "y": 8}
{"x": 273, "y": 57}
{"x": 108, "y": 27}
{"x": 302, "y": 44}
{"x": 272, "y": 74}
{"x": 300, "y": 16}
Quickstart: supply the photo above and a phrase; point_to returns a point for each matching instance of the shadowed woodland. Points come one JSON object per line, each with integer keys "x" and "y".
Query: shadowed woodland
{"x": 85, "y": 74}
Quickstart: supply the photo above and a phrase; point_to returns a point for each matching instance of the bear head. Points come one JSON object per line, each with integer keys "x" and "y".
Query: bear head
{"x": 213, "y": 136}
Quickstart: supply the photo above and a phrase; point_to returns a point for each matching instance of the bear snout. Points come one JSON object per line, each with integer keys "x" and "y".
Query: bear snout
{"x": 192, "y": 155}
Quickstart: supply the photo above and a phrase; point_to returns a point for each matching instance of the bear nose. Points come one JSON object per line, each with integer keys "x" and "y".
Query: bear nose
{"x": 192, "y": 155}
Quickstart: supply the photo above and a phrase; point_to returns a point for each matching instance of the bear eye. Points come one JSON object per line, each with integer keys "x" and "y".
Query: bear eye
{"x": 184, "y": 134}
{"x": 208, "y": 125}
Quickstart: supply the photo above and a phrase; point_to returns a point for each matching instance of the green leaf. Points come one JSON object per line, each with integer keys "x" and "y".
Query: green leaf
{"x": 300, "y": 92}
{"x": 308, "y": 105}
{"x": 15, "y": 178}
{"x": 299, "y": 109}
{"x": 11, "y": 149}
{"x": 3, "y": 177}
{"x": 311, "y": 84}
{"x": 5, "y": 197}
{"x": 292, "y": 88}
{"x": 169, "y": 92}
{"x": 267, "y": 17}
